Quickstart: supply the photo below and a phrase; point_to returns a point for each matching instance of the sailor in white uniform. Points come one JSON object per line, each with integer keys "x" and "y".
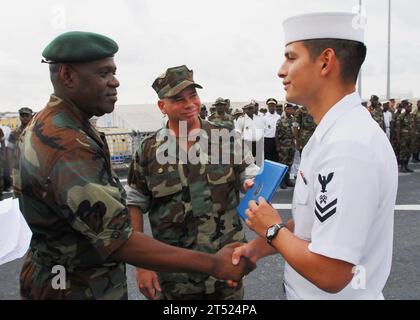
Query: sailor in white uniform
{"x": 339, "y": 243}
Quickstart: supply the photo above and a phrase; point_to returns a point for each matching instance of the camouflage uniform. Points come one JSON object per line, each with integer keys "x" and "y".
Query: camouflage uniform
{"x": 14, "y": 140}
{"x": 2, "y": 155}
{"x": 416, "y": 135}
{"x": 190, "y": 206}
{"x": 74, "y": 205}
{"x": 394, "y": 140}
{"x": 404, "y": 132}
{"x": 226, "y": 120}
{"x": 306, "y": 125}
{"x": 378, "y": 116}
{"x": 285, "y": 140}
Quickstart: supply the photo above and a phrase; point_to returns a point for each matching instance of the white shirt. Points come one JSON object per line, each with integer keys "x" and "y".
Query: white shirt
{"x": 6, "y": 131}
{"x": 165, "y": 120}
{"x": 387, "y": 120}
{"x": 250, "y": 129}
{"x": 270, "y": 122}
{"x": 350, "y": 215}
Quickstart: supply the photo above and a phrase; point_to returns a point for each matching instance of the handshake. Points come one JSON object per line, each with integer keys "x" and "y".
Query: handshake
{"x": 225, "y": 269}
{"x": 229, "y": 264}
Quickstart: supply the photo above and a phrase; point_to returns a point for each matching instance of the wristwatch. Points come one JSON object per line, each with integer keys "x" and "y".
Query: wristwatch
{"x": 273, "y": 231}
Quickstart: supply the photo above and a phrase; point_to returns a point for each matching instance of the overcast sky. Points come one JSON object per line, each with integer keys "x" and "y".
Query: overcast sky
{"x": 235, "y": 47}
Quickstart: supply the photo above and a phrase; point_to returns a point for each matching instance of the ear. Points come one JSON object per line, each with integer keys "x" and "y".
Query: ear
{"x": 67, "y": 76}
{"x": 328, "y": 61}
{"x": 161, "y": 105}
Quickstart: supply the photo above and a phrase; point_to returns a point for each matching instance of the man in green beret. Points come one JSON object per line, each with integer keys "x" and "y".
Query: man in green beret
{"x": 73, "y": 201}
{"x": 191, "y": 204}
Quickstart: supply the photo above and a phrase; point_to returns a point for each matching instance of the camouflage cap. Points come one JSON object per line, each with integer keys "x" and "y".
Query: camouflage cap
{"x": 289, "y": 106}
{"x": 25, "y": 110}
{"x": 79, "y": 46}
{"x": 173, "y": 81}
{"x": 271, "y": 101}
{"x": 220, "y": 101}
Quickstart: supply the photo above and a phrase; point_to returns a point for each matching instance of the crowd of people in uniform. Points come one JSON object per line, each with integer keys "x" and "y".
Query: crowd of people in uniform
{"x": 10, "y": 154}
{"x": 284, "y": 129}
{"x": 401, "y": 123}
{"x": 278, "y": 129}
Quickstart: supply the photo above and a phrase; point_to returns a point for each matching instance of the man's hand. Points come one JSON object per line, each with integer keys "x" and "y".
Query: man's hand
{"x": 248, "y": 184}
{"x": 261, "y": 216}
{"x": 254, "y": 251}
{"x": 225, "y": 270}
{"x": 148, "y": 283}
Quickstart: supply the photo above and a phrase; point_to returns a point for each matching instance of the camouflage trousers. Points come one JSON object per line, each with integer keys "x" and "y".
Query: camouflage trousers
{"x": 286, "y": 156}
{"x": 416, "y": 144}
{"x": 222, "y": 292}
{"x": 36, "y": 283}
{"x": 405, "y": 149}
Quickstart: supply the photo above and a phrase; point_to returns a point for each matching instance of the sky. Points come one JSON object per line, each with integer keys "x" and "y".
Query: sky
{"x": 235, "y": 47}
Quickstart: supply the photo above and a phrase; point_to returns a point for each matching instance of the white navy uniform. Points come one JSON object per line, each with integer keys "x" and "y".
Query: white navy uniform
{"x": 344, "y": 201}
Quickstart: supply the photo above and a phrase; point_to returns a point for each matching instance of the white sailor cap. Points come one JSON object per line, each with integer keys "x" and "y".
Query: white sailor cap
{"x": 325, "y": 25}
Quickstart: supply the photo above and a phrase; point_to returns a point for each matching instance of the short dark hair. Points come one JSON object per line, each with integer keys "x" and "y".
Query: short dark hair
{"x": 351, "y": 55}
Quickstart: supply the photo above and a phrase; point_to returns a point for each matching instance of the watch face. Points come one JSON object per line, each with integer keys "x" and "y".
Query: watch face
{"x": 271, "y": 231}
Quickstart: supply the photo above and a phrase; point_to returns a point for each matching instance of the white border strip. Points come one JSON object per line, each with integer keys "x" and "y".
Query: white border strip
{"x": 411, "y": 207}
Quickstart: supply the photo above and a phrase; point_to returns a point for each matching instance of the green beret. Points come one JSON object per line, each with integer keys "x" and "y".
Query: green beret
{"x": 173, "y": 81}
{"x": 78, "y": 46}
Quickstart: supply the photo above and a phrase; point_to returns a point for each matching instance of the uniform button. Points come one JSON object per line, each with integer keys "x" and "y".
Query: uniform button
{"x": 116, "y": 234}
{"x": 160, "y": 170}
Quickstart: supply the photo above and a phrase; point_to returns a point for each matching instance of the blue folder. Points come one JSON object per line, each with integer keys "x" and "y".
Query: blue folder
{"x": 265, "y": 185}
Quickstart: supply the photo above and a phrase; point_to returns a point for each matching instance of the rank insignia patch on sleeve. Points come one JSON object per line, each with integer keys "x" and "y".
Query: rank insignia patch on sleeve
{"x": 325, "y": 209}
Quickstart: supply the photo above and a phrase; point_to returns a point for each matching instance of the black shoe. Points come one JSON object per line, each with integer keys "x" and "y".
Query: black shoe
{"x": 408, "y": 169}
{"x": 290, "y": 183}
{"x": 283, "y": 185}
